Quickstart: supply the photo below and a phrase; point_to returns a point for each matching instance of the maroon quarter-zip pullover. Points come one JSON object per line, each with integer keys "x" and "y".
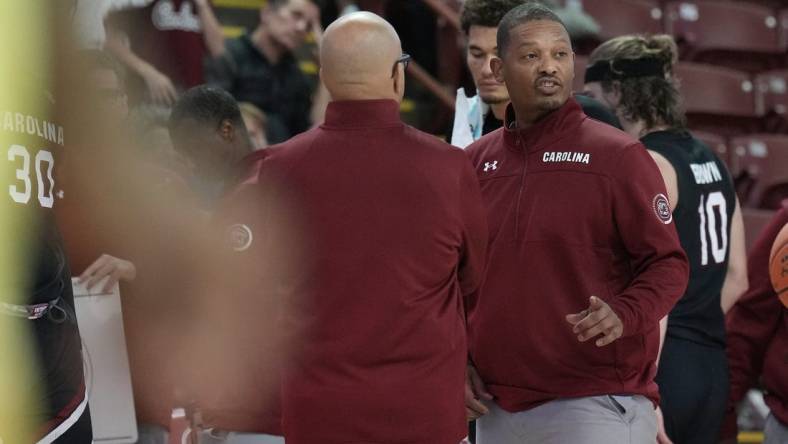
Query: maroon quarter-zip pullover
{"x": 576, "y": 208}
{"x": 395, "y": 236}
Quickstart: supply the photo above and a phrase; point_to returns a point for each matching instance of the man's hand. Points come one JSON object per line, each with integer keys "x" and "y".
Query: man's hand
{"x": 106, "y": 265}
{"x": 474, "y": 391}
{"x": 160, "y": 87}
{"x": 662, "y": 437}
{"x": 597, "y": 319}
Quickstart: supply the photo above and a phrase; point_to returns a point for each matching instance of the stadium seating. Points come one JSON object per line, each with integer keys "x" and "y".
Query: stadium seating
{"x": 761, "y": 160}
{"x": 717, "y": 99}
{"x": 617, "y": 17}
{"x": 755, "y": 220}
{"x": 713, "y": 29}
{"x": 771, "y": 92}
{"x": 715, "y": 90}
{"x": 717, "y": 144}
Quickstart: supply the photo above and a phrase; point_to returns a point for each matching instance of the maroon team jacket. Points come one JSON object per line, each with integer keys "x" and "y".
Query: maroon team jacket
{"x": 758, "y": 334}
{"x": 576, "y": 208}
{"x": 395, "y": 237}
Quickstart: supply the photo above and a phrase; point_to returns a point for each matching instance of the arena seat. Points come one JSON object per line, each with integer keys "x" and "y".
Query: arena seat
{"x": 755, "y": 220}
{"x": 617, "y": 17}
{"x": 771, "y": 92}
{"x": 762, "y": 163}
{"x": 715, "y": 31}
{"x": 717, "y": 99}
{"x": 718, "y": 144}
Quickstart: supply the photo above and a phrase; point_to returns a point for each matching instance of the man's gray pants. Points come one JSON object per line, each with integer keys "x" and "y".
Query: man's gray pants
{"x": 775, "y": 432}
{"x": 592, "y": 420}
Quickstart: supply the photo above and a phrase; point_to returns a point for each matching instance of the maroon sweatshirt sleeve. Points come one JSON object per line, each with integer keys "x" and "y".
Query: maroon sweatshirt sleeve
{"x": 474, "y": 226}
{"x": 752, "y": 323}
{"x": 659, "y": 265}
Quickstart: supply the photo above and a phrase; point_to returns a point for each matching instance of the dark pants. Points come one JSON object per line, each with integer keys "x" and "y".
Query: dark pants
{"x": 79, "y": 433}
{"x": 693, "y": 385}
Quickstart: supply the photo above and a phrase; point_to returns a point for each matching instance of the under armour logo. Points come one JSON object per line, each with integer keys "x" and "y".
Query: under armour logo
{"x": 490, "y": 165}
{"x": 60, "y": 195}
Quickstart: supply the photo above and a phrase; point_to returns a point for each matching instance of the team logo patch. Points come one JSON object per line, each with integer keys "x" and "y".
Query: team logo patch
{"x": 662, "y": 209}
{"x": 240, "y": 237}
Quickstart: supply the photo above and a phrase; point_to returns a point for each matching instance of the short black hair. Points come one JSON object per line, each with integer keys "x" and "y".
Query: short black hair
{"x": 486, "y": 13}
{"x": 206, "y": 104}
{"x": 528, "y": 12}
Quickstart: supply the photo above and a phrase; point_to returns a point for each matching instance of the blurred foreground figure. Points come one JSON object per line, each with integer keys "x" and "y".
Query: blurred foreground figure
{"x": 396, "y": 236}
{"x": 184, "y": 302}
{"x": 43, "y": 394}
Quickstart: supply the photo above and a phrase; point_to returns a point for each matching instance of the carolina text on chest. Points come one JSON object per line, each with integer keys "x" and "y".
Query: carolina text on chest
{"x": 566, "y": 156}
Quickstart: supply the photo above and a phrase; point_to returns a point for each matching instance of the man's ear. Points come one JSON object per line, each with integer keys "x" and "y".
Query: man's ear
{"x": 496, "y": 65}
{"x": 227, "y": 130}
{"x": 399, "y": 81}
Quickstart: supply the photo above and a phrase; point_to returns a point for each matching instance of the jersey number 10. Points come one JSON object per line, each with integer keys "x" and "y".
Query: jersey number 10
{"x": 708, "y": 227}
{"x": 45, "y": 196}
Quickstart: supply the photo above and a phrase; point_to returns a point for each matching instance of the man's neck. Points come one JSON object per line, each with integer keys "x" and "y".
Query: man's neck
{"x": 499, "y": 110}
{"x": 638, "y": 129}
{"x": 526, "y": 120}
{"x": 263, "y": 41}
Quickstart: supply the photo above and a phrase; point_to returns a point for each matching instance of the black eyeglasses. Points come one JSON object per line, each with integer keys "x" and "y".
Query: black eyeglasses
{"x": 404, "y": 59}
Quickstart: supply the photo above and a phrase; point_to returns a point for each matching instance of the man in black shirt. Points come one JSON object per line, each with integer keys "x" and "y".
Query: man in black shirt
{"x": 260, "y": 67}
{"x": 633, "y": 75}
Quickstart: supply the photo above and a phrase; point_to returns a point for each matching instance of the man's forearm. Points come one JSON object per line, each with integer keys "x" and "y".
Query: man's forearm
{"x": 119, "y": 46}
{"x": 211, "y": 28}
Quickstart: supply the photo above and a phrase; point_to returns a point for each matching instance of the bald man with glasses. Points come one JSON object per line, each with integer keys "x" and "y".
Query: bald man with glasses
{"x": 397, "y": 236}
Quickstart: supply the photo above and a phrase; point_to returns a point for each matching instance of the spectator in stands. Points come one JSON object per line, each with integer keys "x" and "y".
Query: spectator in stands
{"x": 163, "y": 42}
{"x": 256, "y": 124}
{"x": 632, "y": 75}
{"x": 758, "y": 341}
{"x": 484, "y": 112}
{"x": 260, "y": 68}
{"x": 583, "y": 259}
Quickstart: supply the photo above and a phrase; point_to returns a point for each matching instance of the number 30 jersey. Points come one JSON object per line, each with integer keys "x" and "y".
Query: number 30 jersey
{"x": 703, "y": 217}
{"x": 31, "y": 145}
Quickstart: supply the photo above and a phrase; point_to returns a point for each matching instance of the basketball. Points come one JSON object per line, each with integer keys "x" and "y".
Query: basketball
{"x": 778, "y": 265}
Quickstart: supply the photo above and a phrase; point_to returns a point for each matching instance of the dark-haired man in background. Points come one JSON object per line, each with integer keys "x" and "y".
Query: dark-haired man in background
{"x": 260, "y": 68}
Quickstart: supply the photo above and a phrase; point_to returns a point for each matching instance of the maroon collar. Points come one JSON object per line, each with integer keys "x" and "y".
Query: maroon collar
{"x": 362, "y": 114}
{"x": 552, "y": 127}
